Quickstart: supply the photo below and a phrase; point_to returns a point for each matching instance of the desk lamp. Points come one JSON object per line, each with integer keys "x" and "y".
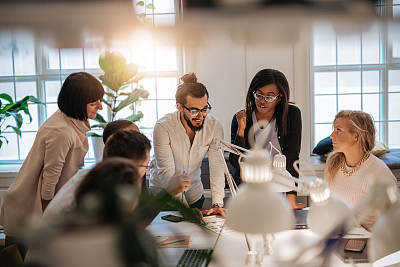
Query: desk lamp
{"x": 382, "y": 198}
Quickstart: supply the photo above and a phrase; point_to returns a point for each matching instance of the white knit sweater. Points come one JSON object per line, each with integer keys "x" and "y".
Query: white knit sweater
{"x": 354, "y": 189}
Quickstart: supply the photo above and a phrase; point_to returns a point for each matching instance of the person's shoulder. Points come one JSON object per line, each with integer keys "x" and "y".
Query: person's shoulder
{"x": 168, "y": 118}
{"x": 293, "y": 108}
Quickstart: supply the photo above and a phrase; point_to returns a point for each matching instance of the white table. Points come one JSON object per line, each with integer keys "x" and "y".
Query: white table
{"x": 231, "y": 249}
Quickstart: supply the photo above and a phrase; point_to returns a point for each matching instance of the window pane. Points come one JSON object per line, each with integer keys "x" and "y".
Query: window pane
{"x": 324, "y": 45}
{"x": 166, "y": 58}
{"x": 53, "y": 60}
{"x": 166, "y": 88}
{"x": 349, "y": 82}
{"x": 6, "y": 66}
{"x": 394, "y": 39}
{"x": 165, "y": 107}
{"x": 394, "y": 130}
{"x": 71, "y": 58}
{"x": 352, "y": 102}
{"x": 164, "y": 20}
{"x": 371, "y": 81}
{"x": 143, "y": 51}
{"x": 378, "y": 133}
{"x": 150, "y": 85}
{"x": 371, "y": 53}
{"x": 394, "y": 80}
{"x": 394, "y": 107}
{"x": 325, "y": 83}
{"x": 34, "y": 125}
{"x": 52, "y": 89}
{"x": 25, "y": 88}
{"x": 322, "y": 131}
{"x": 7, "y": 88}
{"x": 24, "y": 54}
{"x": 25, "y": 143}
{"x": 51, "y": 109}
{"x": 349, "y": 49}
{"x": 92, "y": 56}
{"x": 396, "y": 12}
{"x": 148, "y": 108}
{"x": 162, "y": 6}
{"x": 325, "y": 108}
{"x": 9, "y": 151}
{"x": 371, "y": 104}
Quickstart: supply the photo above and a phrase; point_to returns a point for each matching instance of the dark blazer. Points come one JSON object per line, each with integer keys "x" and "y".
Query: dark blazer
{"x": 290, "y": 144}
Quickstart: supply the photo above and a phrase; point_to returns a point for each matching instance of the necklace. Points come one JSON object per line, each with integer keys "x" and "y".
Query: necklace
{"x": 355, "y": 168}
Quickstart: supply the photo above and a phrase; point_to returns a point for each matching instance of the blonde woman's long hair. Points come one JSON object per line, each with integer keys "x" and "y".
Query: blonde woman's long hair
{"x": 358, "y": 122}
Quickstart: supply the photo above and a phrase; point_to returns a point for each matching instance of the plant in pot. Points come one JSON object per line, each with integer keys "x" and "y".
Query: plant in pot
{"x": 118, "y": 77}
{"x": 10, "y": 109}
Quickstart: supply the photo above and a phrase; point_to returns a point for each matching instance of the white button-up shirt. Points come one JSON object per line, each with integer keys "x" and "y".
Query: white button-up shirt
{"x": 174, "y": 152}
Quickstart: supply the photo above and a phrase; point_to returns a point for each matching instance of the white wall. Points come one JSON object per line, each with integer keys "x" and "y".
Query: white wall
{"x": 227, "y": 67}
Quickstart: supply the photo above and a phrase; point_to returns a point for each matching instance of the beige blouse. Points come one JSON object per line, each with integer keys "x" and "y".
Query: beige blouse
{"x": 56, "y": 155}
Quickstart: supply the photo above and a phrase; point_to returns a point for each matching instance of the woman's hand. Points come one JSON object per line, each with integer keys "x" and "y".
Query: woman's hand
{"x": 241, "y": 118}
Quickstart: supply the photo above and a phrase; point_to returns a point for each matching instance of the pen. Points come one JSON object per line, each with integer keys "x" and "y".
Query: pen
{"x": 172, "y": 241}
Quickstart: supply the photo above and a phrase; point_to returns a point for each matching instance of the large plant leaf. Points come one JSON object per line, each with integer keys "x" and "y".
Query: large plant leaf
{"x": 100, "y": 125}
{"x": 99, "y": 119}
{"x": 112, "y": 61}
{"x": 18, "y": 119}
{"x": 109, "y": 94}
{"x": 140, "y": 3}
{"x": 135, "y": 117}
{"x": 6, "y": 97}
{"x": 110, "y": 79}
{"x": 6, "y": 108}
{"x": 128, "y": 73}
{"x": 15, "y": 129}
{"x": 134, "y": 96}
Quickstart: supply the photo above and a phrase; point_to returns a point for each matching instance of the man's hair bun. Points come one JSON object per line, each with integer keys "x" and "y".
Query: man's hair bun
{"x": 189, "y": 78}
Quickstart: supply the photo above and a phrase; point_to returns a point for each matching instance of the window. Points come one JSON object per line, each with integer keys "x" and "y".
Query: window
{"x": 359, "y": 71}
{"x": 30, "y": 68}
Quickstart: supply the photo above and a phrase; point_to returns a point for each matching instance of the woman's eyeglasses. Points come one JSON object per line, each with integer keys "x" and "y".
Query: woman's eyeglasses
{"x": 265, "y": 97}
{"x": 195, "y": 111}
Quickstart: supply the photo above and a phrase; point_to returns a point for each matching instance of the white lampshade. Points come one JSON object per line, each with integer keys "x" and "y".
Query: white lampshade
{"x": 386, "y": 234}
{"x": 257, "y": 209}
{"x": 326, "y": 216}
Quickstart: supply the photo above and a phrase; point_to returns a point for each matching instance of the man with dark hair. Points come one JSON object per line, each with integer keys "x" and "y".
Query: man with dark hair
{"x": 127, "y": 144}
{"x": 117, "y": 125}
{"x": 181, "y": 141}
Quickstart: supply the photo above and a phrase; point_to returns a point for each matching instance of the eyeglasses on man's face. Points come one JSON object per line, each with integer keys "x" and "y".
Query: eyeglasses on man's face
{"x": 265, "y": 97}
{"x": 195, "y": 111}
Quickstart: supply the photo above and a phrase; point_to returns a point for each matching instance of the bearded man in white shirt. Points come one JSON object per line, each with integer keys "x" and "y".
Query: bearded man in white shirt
{"x": 182, "y": 139}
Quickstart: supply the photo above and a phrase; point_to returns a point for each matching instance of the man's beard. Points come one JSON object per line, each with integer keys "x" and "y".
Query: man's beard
{"x": 191, "y": 126}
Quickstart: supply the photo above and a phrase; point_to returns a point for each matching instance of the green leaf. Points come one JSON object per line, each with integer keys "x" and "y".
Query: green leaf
{"x": 110, "y": 79}
{"x": 15, "y": 129}
{"x": 7, "y": 97}
{"x": 109, "y": 94}
{"x": 18, "y": 119}
{"x": 134, "y": 96}
{"x": 99, "y": 118}
{"x": 100, "y": 125}
{"x": 107, "y": 103}
{"x": 135, "y": 117}
{"x": 90, "y": 134}
{"x": 150, "y": 6}
{"x": 34, "y": 100}
{"x": 6, "y": 108}
{"x": 112, "y": 61}
{"x": 149, "y": 21}
{"x": 140, "y": 3}
{"x": 142, "y": 15}
{"x": 128, "y": 73}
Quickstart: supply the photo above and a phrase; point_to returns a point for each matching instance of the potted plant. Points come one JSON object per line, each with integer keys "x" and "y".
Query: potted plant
{"x": 10, "y": 109}
{"x": 118, "y": 77}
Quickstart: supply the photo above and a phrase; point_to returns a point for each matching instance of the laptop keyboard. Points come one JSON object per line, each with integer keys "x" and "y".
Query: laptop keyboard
{"x": 195, "y": 258}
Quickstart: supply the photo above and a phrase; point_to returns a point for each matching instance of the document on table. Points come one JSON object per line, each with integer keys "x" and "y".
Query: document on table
{"x": 358, "y": 232}
{"x": 216, "y": 225}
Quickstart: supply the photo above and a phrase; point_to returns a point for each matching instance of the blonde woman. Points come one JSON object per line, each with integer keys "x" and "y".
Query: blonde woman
{"x": 351, "y": 169}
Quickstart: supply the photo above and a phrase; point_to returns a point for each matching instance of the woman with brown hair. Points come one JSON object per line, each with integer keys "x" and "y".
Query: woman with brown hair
{"x": 351, "y": 169}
